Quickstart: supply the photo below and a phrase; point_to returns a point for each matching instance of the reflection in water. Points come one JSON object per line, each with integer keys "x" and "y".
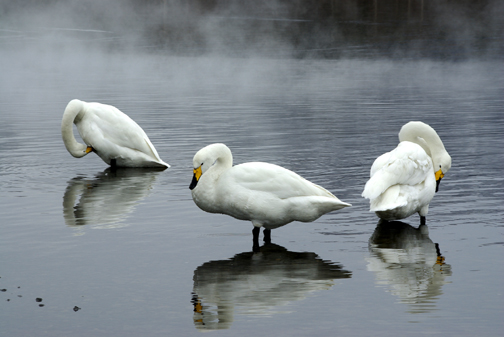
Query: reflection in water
{"x": 106, "y": 200}
{"x": 407, "y": 260}
{"x": 257, "y": 283}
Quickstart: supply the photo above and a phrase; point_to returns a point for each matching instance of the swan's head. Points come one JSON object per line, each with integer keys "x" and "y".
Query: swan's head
{"x": 214, "y": 154}
{"x": 73, "y": 114}
{"x": 79, "y": 150}
{"x": 425, "y": 136}
{"x": 442, "y": 164}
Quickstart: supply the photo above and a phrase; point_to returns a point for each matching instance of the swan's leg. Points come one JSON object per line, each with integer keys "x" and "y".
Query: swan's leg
{"x": 267, "y": 235}
{"x": 422, "y": 220}
{"x": 113, "y": 163}
{"x": 255, "y": 239}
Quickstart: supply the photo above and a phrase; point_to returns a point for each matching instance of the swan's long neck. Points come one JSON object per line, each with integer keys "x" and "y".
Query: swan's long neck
{"x": 72, "y": 111}
{"x": 224, "y": 160}
{"x": 425, "y": 136}
{"x": 213, "y": 160}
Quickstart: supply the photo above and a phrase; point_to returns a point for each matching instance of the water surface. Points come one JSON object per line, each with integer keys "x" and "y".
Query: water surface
{"x": 128, "y": 253}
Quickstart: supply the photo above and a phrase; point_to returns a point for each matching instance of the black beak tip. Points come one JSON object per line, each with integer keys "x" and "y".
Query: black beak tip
{"x": 194, "y": 182}
{"x": 437, "y": 185}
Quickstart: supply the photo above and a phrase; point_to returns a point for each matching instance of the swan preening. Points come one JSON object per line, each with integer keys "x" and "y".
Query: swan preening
{"x": 110, "y": 133}
{"x": 404, "y": 180}
{"x": 268, "y": 195}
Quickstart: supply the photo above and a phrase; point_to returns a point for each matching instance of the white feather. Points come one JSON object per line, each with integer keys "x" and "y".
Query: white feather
{"x": 111, "y": 134}
{"x": 266, "y": 194}
{"x": 402, "y": 181}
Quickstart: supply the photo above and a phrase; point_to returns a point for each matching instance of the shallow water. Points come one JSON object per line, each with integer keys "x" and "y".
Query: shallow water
{"x": 128, "y": 253}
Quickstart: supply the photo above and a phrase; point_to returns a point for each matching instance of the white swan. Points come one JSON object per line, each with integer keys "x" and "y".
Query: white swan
{"x": 405, "y": 180}
{"x": 268, "y": 195}
{"x": 115, "y": 137}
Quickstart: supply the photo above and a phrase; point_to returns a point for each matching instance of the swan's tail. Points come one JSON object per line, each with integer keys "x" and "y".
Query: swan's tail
{"x": 155, "y": 154}
{"x": 163, "y": 164}
{"x": 307, "y": 209}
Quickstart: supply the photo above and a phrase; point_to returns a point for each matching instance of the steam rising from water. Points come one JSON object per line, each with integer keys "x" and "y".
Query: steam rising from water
{"x": 90, "y": 45}
{"x": 300, "y": 28}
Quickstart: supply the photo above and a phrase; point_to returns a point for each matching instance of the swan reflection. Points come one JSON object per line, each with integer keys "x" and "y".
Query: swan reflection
{"x": 405, "y": 259}
{"x": 106, "y": 200}
{"x": 258, "y": 284}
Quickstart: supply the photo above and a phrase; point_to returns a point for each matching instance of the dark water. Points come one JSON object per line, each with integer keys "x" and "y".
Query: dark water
{"x": 127, "y": 253}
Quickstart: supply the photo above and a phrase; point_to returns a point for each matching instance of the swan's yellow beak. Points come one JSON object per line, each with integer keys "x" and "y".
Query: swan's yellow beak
{"x": 439, "y": 176}
{"x": 440, "y": 260}
{"x": 197, "y": 174}
{"x": 88, "y": 149}
{"x": 198, "y": 307}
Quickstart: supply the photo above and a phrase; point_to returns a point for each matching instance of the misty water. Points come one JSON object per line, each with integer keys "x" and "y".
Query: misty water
{"x": 87, "y": 251}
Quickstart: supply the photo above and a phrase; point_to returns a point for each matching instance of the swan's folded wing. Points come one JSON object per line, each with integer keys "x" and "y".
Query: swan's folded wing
{"x": 408, "y": 164}
{"x": 391, "y": 199}
{"x": 270, "y": 178}
{"x": 121, "y": 130}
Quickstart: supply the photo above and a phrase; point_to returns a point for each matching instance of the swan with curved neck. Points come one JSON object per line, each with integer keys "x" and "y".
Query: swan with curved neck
{"x": 425, "y": 136}
{"x": 403, "y": 182}
{"x": 110, "y": 133}
{"x": 268, "y": 195}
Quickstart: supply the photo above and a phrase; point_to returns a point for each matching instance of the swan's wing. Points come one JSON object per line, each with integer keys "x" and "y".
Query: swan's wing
{"x": 105, "y": 123}
{"x": 407, "y": 164}
{"x": 273, "y": 179}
